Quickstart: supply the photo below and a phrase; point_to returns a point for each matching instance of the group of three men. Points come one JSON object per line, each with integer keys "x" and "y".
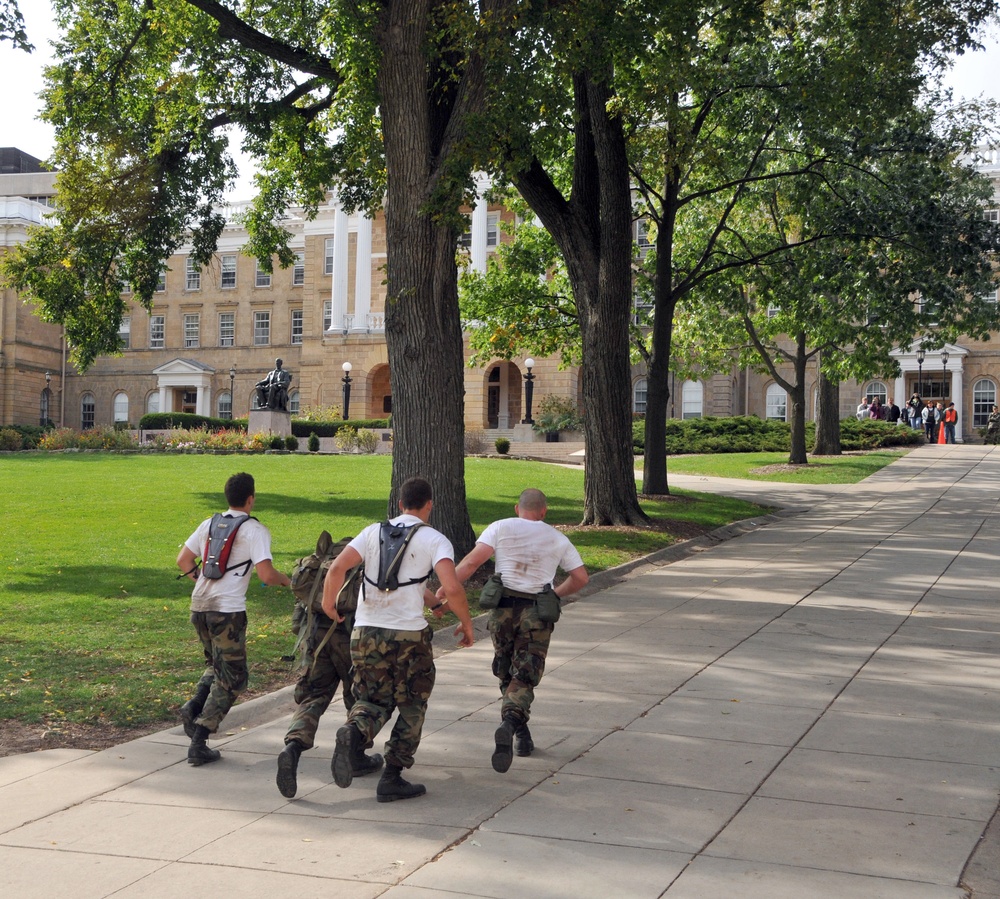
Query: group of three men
{"x": 386, "y": 657}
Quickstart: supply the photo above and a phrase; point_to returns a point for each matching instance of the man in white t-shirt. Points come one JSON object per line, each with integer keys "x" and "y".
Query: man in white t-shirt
{"x": 391, "y": 641}
{"x": 528, "y": 553}
{"x": 219, "y": 615}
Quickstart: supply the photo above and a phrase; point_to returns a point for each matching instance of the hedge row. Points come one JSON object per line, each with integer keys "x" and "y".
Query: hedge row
{"x": 162, "y": 421}
{"x": 749, "y": 434}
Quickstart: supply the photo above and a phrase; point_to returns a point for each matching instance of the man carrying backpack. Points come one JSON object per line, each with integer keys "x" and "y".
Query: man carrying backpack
{"x": 525, "y": 608}
{"x": 229, "y": 545}
{"x": 327, "y": 659}
{"x": 391, "y": 642}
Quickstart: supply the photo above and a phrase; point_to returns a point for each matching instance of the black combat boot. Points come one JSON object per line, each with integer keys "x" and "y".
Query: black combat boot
{"x": 192, "y": 708}
{"x": 349, "y": 745}
{"x": 523, "y": 744}
{"x": 392, "y": 786}
{"x": 288, "y": 764}
{"x": 503, "y": 755}
{"x": 362, "y": 765}
{"x": 198, "y": 751}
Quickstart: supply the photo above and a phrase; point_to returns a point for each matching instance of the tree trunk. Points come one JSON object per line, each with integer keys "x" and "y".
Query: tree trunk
{"x": 594, "y": 234}
{"x": 797, "y": 401}
{"x": 422, "y": 328}
{"x": 827, "y": 417}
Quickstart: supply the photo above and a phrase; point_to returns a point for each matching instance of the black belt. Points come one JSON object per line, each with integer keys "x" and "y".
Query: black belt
{"x": 511, "y": 598}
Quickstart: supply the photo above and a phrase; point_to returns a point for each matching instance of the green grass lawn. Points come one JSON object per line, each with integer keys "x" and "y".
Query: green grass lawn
{"x": 93, "y": 623}
{"x": 846, "y": 469}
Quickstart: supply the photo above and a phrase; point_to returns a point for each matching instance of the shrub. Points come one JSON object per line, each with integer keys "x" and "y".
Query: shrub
{"x": 277, "y": 442}
{"x": 10, "y": 440}
{"x": 749, "y": 434}
{"x": 314, "y": 442}
{"x": 346, "y": 439}
{"x": 303, "y": 428}
{"x": 503, "y": 445}
{"x": 367, "y": 441}
{"x": 162, "y": 421}
{"x": 291, "y": 443}
{"x": 320, "y": 413}
{"x": 557, "y": 413}
{"x": 475, "y": 442}
{"x": 203, "y": 439}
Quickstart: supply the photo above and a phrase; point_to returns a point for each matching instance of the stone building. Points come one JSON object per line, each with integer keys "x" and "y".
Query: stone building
{"x": 214, "y": 331}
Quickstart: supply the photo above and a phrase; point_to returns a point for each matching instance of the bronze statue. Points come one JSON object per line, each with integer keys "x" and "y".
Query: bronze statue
{"x": 272, "y": 391}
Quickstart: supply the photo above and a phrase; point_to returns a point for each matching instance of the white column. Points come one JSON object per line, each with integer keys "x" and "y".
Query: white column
{"x": 363, "y": 273}
{"x": 339, "y": 296}
{"x": 958, "y": 395}
{"x": 201, "y": 402}
{"x": 503, "y": 413}
{"x": 165, "y": 405}
{"x": 899, "y": 391}
{"x": 479, "y": 223}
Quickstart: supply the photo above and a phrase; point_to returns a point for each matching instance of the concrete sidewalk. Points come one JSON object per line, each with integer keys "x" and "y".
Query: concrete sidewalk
{"x": 806, "y": 710}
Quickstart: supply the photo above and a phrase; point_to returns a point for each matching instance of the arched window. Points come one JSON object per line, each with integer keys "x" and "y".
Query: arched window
{"x": 876, "y": 389}
{"x": 639, "y": 396}
{"x": 153, "y": 402}
{"x": 293, "y": 403}
{"x": 984, "y": 397}
{"x": 225, "y": 405}
{"x": 121, "y": 407}
{"x": 255, "y": 402}
{"x": 692, "y": 399}
{"x": 43, "y": 407}
{"x": 86, "y": 411}
{"x": 777, "y": 403}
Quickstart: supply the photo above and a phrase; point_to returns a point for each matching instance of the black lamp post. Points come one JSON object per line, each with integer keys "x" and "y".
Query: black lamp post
{"x": 232, "y": 393}
{"x": 920, "y": 368}
{"x": 347, "y": 389}
{"x": 529, "y": 391}
{"x": 944, "y": 373}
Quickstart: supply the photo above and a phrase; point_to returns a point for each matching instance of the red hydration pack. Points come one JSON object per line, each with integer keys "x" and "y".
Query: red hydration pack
{"x": 221, "y": 536}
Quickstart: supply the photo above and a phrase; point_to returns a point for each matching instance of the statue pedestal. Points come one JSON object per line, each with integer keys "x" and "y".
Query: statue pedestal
{"x": 269, "y": 421}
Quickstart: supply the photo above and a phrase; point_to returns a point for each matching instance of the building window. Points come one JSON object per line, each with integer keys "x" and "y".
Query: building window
{"x": 125, "y": 332}
{"x": 327, "y": 315}
{"x": 692, "y": 399}
{"x": 43, "y": 407}
{"x": 772, "y": 311}
{"x": 991, "y": 296}
{"x": 225, "y": 405}
{"x": 228, "y": 281}
{"x": 299, "y": 270}
{"x": 192, "y": 330}
{"x": 328, "y": 257}
{"x": 777, "y": 403}
{"x": 296, "y": 326}
{"x": 876, "y": 389}
{"x": 639, "y": 396}
{"x": 492, "y": 232}
{"x": 227, "y": 329}
{"x": 984, "y": 398}
{"x": 262, "y": 278}
{"x": 193, "y": 275}
{"x": 293, "y": 403}
{"x": 157, "y": 331}
{"x": 641, "y": 236}
{"x": 642, "y": 309}
{"x": 161, "y": 283}
{"x": 153, "y": 402}
{"x": 121, "y": 407}
{"x": 87, "y": 411}
{"x": 261, "y": 328}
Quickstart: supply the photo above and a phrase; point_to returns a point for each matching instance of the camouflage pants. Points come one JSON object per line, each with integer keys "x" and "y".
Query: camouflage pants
{"x": 223, "y": 638}
{"x": 393, "y": 670}
{"x": 520, "y": 644}
{"x": 315, "y": 690}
